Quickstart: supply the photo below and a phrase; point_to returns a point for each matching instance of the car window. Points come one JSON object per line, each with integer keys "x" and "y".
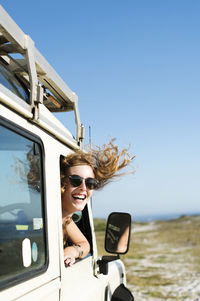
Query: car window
{"x": 11, "y": 82}
{"x": 22, "y": 223}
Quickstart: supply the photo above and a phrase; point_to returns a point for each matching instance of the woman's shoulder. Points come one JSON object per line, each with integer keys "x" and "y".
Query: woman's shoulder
{"x": 67, "y": 221}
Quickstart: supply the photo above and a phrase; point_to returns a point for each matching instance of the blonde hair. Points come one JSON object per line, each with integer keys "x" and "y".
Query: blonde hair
{"x": 106, "y": 162}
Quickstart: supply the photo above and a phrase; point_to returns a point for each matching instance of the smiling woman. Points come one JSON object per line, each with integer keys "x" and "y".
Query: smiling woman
{"x": 81, "y": 173}
{"x": 77, "y": 192}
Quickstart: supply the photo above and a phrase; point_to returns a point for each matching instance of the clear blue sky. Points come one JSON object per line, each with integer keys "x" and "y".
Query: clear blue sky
{"x": 135, "y": 67}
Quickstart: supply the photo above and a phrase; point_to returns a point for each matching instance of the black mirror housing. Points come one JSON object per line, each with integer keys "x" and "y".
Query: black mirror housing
{"x": 118, "y": 233}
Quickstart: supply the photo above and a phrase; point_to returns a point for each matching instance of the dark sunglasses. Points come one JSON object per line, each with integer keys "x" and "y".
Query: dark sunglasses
{"x": 75, "y": 181}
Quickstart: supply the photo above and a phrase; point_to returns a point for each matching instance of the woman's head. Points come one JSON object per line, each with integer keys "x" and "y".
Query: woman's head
{"x": 102, "y": 164}
{"x": 79, "y": 186}
{"x": 78, "y": 158}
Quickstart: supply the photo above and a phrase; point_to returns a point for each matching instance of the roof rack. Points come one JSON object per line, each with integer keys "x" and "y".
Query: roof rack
{"x": 44, "y": 84}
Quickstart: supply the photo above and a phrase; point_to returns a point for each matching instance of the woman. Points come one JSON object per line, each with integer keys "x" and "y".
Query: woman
{"x": 81, "y": 173}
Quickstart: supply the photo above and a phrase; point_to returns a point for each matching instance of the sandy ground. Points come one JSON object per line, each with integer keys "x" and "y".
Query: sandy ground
{"x": 186, "y": 282}
{"x": 188, "y": 290}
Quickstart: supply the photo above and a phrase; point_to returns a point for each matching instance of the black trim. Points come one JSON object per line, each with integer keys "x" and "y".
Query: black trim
{"x": 122, "y": 293}
{"x": 86, "y": 228}
{"x": 34, "y": 138}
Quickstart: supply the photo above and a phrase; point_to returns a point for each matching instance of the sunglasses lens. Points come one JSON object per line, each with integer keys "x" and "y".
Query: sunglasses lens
{"x": 75, "y": 180}
{"x": 91, "y": 183}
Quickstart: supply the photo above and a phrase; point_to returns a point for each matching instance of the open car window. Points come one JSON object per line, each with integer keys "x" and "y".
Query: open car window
{"x": 82, "y": 220}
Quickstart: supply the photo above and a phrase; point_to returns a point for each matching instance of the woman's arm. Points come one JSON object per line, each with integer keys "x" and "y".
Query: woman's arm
{"x": 80, "y": 247}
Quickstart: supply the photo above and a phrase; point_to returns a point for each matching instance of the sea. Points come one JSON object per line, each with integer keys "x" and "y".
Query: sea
{"x": 161, "y": 216}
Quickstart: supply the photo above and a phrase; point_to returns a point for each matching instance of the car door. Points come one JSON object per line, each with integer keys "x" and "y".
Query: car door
{"x": 26, "y": 269}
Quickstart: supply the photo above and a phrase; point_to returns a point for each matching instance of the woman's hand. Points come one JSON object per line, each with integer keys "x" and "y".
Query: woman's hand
{"x": 69, "y": 261}
{"x": 70, "y": 255}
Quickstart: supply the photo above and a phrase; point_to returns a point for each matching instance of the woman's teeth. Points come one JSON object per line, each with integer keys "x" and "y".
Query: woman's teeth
{"x": 79, "y": 197}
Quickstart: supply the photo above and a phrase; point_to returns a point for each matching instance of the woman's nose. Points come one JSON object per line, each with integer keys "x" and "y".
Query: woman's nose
{"x": 83, "y": 186}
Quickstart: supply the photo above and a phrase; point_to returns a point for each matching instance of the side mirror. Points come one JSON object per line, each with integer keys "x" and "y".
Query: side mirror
{"x": 77, "y": 216}
{"x": 118, "y": 233}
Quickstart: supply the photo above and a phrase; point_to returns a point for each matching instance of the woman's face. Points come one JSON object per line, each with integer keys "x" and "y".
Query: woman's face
{"x": 75, "y": 198}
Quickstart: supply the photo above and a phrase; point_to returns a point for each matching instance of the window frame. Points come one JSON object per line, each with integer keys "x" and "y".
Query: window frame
{"x": 34, "y": 138}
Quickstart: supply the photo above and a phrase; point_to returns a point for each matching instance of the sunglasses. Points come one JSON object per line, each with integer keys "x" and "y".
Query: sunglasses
{"x": 75, "y": 181}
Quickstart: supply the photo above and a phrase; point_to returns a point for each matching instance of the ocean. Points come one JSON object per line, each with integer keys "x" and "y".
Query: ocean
{"x": 161, "y": 216}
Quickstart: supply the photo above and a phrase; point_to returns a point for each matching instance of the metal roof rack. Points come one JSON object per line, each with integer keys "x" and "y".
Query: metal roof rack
{"x": 28, "y": 64}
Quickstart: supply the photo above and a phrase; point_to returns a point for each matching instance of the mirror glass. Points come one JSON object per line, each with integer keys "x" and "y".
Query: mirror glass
{"x": 118, "y": 233}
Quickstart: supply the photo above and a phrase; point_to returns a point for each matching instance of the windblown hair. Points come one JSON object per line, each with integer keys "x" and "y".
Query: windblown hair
{"x": 106, "y": 162}
{"x": 29, "y": 170}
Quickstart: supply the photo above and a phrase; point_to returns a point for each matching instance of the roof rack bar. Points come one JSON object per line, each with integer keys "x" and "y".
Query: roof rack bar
{"x": 51, "y": 76}
{"x": 11, "y": 30}
{"x": 32, "y": 69}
